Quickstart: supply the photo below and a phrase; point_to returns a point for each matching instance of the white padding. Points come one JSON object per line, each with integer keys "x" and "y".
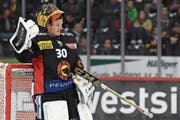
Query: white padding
{"x": 84, "y": 112}
{"x": 33, "y": 28}
{"x": 85, "y": 89}
{"x": 56, "y": 110}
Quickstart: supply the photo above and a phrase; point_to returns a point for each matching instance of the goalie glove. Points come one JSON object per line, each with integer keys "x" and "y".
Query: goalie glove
{"x": 85, "y": 89}
{"x": 25, "y": 31}
{"x": 33, "y": 31}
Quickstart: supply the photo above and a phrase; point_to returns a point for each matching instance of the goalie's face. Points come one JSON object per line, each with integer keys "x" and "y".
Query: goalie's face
{"x": 55, "y": 27}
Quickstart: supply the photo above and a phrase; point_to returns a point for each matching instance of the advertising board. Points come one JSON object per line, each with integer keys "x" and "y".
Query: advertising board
{"x": 160, "y": 98}
{"x": 135, "y": 66}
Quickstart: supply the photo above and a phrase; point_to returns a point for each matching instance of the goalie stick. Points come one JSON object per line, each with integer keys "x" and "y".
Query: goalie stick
{"x": 99, "y": 84}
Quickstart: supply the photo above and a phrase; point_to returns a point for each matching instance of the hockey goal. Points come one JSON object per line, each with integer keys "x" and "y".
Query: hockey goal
{"x": 15, "y": 92}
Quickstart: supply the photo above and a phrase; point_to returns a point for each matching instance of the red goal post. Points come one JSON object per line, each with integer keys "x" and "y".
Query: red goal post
{"x": 15, "y": 90}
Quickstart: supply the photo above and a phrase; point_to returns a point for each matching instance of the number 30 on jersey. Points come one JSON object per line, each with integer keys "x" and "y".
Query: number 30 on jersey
{"x": 61, "y": 53}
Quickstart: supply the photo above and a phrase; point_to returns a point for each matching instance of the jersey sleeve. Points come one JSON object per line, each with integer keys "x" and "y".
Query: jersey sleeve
{"x": 27, "y": 55}
{"x": 79, "y": 62}
{"x": 24, "y": 57}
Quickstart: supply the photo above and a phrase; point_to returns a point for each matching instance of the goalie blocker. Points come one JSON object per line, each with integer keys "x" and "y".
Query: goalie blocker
{"x": 25, "y": 31}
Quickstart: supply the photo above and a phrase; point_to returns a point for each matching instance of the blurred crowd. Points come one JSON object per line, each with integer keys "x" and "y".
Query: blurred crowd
{"x": 140, "y": 24}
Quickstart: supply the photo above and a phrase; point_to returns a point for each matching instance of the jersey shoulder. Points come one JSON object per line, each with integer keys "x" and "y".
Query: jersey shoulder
{"x": 40, "y": 37}
{"x": 69, "y": 39}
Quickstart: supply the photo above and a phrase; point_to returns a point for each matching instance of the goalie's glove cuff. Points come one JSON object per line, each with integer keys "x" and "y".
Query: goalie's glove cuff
{"x": 85, "y": 89}
{"x": 33, "y": 28}
{"x": 33, "y": 31}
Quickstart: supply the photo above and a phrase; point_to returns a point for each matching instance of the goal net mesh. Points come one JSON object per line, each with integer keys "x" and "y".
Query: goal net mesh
{"x": 15, "y": 93}
{"x": 2, "y": 94}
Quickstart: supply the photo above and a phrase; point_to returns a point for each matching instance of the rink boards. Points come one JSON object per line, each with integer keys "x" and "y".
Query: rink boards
{"x": 158, "y": 96}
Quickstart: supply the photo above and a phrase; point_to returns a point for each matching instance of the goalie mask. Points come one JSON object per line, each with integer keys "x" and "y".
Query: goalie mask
{"x": 47, "y": 12}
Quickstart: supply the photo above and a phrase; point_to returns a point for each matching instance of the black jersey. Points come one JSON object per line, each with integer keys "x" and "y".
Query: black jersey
{"x": 53, "y": 62}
